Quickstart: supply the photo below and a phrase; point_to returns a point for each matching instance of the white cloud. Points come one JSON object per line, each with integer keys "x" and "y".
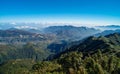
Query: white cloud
{"x": 25, "y": 27}
{"x": 13, "y": 23}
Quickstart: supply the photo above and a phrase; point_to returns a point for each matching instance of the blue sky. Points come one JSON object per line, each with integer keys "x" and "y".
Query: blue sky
{"x": 61, "y": 11}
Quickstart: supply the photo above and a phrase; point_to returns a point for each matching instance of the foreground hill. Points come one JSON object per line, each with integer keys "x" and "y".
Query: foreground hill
{"x": 95, "y": 55}
{"x": 106, "y": 44}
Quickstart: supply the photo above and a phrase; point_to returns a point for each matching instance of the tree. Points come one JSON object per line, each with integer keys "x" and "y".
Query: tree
{"x": 71, "y": 60}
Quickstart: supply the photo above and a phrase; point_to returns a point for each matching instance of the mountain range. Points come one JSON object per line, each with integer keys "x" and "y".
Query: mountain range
{"x": 70, "y": 32}
{"x": 92, "y": 55}
{"x": 108, "y": 27}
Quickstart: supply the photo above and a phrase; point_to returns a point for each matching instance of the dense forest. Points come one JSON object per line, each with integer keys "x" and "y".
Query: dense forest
{"x": 94, "y": 55}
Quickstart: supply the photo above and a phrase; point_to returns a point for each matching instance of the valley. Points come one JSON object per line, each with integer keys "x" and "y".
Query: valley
{"x": 68, "y": 49}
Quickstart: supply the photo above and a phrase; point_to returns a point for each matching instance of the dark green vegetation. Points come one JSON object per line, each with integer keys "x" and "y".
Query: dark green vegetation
{"x": 95, "y": 55}
{"x": 27, "y": 51}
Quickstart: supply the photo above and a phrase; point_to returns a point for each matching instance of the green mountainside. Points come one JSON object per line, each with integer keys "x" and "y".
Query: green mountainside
{"x": 94, "y": 55}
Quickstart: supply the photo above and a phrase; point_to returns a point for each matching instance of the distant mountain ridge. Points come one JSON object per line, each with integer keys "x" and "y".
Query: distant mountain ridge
{"x": 38, "y": 26}
{"x": 5, "y": 26}
{"x": 108, "y": 27}
{"x": 107, "y": 32}
{"x": 70, "y": 32}
{"x": 14, "y": 32}
{"x": 13, "y": 36}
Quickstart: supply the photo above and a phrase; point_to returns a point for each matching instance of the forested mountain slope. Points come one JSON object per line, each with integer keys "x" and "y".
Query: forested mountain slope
{"x": 95, "y": 55}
